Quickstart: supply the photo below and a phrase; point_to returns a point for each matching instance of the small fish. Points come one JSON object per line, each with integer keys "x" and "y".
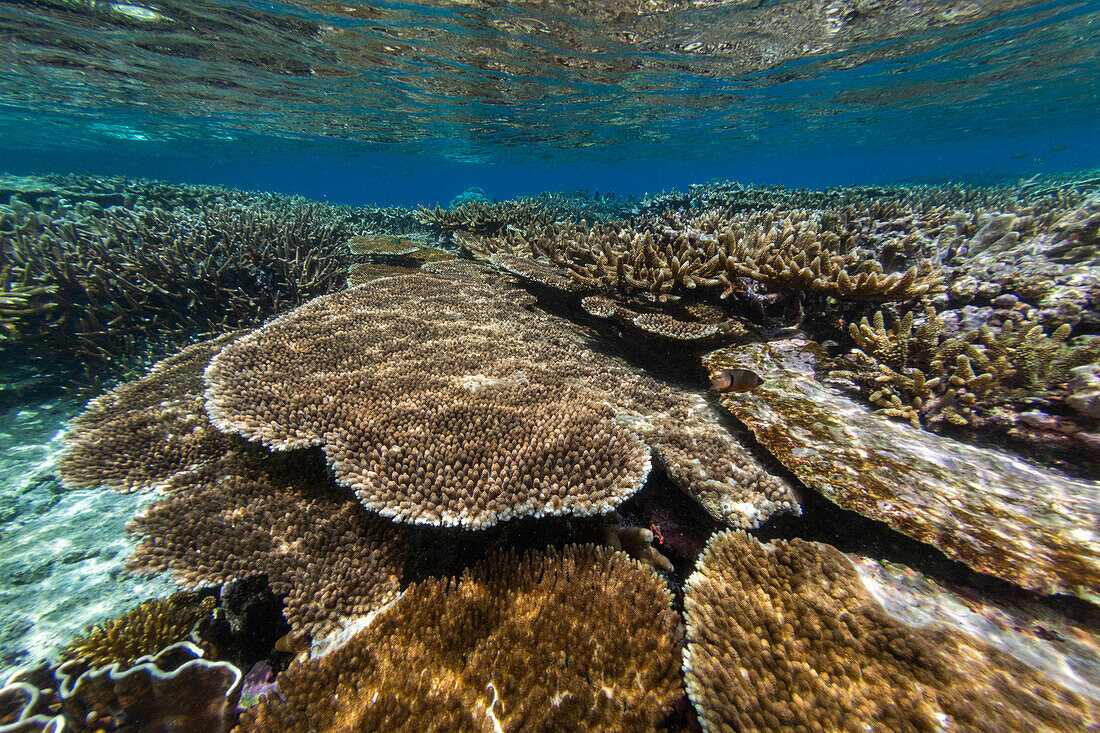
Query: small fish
{"x": 735, "y": 380}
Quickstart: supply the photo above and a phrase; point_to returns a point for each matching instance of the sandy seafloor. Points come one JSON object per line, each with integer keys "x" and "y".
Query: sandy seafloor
{"x": 62, "y": 553}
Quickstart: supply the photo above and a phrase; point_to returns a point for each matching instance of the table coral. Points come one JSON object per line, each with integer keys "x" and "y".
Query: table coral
{"x": 250, "y": 513}
{"x": 228, "y": 509}
{"x": 575, "y": 639}
{"x": 784, "y": 637}
{"x": 145, "y": 430}
{"x": 446, "y": 401}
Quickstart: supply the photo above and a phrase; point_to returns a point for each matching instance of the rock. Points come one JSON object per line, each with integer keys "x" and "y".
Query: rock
{"x": 1085, "y": 390}
{"x": 1032, "y": 526}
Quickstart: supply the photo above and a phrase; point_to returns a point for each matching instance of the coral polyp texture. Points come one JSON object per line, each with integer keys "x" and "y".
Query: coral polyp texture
{"x": 227, "y": 509}
{"x": 574, "y": 639}
{"x": 446, "y": 401}
{"x": 144, "y": 431}
{"x": 250, "y": 513}
{"x": 785, "y": 637}
{"x": 1033, "y": 526}
{"x": 141, "y": 631}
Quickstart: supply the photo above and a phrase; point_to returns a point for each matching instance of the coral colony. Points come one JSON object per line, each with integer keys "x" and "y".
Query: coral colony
{"x": 454, "y": 469}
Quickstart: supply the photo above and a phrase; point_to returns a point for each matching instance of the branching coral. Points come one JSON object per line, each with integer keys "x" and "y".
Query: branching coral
{"x": 785, "y": 637}
{"x": 479, "y": 217}
{"x": 916, "y": 369}
{"x": 139, "y": 632}
{"x": 89, "y": 288}
{"x": 580, "y": 639}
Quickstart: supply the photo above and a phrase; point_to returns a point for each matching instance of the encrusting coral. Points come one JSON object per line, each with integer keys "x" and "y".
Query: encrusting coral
{"x": 784, "y": 637}
{"x": 174, "y": 689}
{"x": 445, "y": 401}
{"x": 141, "y": 631}
{"x": 574, "y": 639}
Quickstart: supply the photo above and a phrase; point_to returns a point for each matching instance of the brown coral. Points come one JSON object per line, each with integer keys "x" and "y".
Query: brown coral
{"x": 143, "y": 431}
{"x": 229, "y": 509}
{"x": 580, "y": 639}
{"x": 785, "y": 637}
{"x": 915, "y": 369}
{"x": 141, "y": 631}
{"x": 484, "y": 218}
{"x": 443, "y": 401}
{"x": 428, "y": 421}
{"x": 250, "y": 513}
{"x": 176, "y": 689}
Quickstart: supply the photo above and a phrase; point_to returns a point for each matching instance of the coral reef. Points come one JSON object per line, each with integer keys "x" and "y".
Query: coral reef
{"x": 577, "y": 639}
{"x": 480, "y": 217}
{"x": 672, "y": 257}
{"x": 87, "y": 284}
{"x": 918, "y": 369}
{"x": 175, "y": 689}
{"x": 226, "y": 509}
{"x": 249, "y": 513}
{"x": 785, "y": 637}
{"x": 1032, "y": 526}
{"x": 396, "y": 400}
{"x": 144, "y": 431}
{"x": 140, "y": 632}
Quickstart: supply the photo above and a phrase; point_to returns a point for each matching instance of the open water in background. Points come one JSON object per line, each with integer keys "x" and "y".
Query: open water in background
{"x": 408, "y": 103}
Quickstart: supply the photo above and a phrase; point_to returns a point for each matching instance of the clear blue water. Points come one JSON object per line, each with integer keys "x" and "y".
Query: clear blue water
{"x": 412, "y": 102}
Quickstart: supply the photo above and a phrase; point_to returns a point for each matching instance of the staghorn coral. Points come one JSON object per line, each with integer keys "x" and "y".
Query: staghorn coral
{"x": 784, "y": 637}
{"x": 574, "y": 639}
{"x": 144, "y": 431}
{"x": 141, "y": 631}
{"x": 479, "y": 217}
{"x": 438, "y": 421}
{"x": 89, "y": 286}
{"x": 918, "y": 369}
{"x": 249, "y": 513}
{"x": 797, "y": 250}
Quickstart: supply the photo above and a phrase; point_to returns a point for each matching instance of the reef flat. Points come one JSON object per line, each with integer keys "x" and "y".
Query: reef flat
{"x": 565, "y": 462}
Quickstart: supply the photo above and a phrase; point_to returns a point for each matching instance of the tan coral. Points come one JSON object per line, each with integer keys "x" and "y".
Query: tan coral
{"x": 249, "y": 513}
{"x": 141, "y": 631}
{"x": 580, "y": 639}
{"x": 784, "y": 636}
{"x": 916, "y": 371}
{"x": 143, "y": 431}
{"x": 445, "y": 401}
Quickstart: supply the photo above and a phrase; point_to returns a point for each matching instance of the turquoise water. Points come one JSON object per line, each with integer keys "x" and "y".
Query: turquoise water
{"x": 483, "y": 365}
